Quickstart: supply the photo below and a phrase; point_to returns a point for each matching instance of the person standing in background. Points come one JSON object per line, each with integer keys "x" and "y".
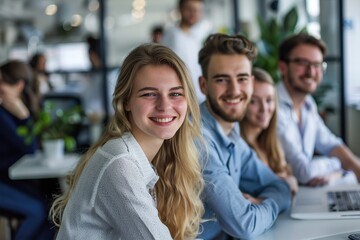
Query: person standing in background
{"x": 157, "y": 33}
{"x": 93, "y": 92}
{"x": 93, "y": 86}
{"x": 41, "y": 84}
{"x": 94, "y": 52}
{"x": 258, "y": 127}
{"x": 187, "y": 37}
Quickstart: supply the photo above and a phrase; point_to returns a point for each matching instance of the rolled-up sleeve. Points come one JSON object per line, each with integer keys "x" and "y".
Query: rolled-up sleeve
{"x": 223, "y": 196}
{"x": 299, "y": 149}
{"x": 325, "y": 140}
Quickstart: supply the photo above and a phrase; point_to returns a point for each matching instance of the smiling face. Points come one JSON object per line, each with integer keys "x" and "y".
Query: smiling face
{"x": 262, "y": 105}
{"x": 229, "y": 86}
{"x": 157, "y": 105}
{"x": 303, "y": 78}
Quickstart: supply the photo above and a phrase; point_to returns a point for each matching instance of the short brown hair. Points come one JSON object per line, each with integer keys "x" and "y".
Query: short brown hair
{"x": 293, "y": 41}
{"x": 225, "y": 44}
{"x": 182, "y": 2}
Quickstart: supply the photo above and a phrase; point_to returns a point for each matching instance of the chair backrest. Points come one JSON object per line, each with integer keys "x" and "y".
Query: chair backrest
{"x": 66, "y": 101}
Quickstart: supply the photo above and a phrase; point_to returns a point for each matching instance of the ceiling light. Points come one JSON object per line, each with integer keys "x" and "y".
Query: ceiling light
{"x": 76, "y": 20}
{"x": 93, "y": 6}
{"x": 51, "y": 9}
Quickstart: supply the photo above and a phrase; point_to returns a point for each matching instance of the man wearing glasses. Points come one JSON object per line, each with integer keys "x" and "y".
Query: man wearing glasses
{"x": 300, "y": 128}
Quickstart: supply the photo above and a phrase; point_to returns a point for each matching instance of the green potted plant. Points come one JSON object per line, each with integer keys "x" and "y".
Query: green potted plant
{"x": 273, "y": 32}
{"x": 54, "y": 124}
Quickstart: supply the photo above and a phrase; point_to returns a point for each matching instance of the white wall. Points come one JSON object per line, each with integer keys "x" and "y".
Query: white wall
{"x": 352, "y": 51}
{"x": 352, "y": 72}
{"x": 353, "y": 130}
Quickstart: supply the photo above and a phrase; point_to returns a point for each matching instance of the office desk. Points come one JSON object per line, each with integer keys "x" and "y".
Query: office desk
{"x": 286, "y": 228}
{"x": 31, "y": 166}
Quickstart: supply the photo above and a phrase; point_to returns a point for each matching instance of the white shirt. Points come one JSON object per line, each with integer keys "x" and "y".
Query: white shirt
{"x": 187, "y": 46}
{"x": 111, "y": 199}
{"x": 301, "y": 142}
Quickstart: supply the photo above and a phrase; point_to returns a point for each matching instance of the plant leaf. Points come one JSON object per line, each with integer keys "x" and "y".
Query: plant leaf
{"x": 22, "y": 131}
{"x": 70, "y": 143}
{"x": 290, "y": 21}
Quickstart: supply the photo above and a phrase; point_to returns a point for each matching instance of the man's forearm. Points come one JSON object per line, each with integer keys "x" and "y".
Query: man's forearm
{"x": 348, "y": 160}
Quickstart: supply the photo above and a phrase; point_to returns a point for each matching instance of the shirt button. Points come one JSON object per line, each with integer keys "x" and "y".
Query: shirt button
{"x": 236, "y": 170}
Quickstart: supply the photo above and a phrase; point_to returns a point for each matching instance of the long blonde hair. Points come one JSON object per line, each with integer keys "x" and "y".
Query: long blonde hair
{"x": 267, "y": 139}
{"x": 180, "y": 185}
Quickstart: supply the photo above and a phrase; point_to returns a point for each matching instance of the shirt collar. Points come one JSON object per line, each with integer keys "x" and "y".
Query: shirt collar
{"x": 284, "y": 97}
{"x": 210, "y": 122}
{"x": 136, "y": 151}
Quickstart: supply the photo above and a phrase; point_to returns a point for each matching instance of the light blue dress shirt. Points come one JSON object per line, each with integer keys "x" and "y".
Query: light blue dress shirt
{"x": 230, "y": 167}
{"x": 300, "y": 141}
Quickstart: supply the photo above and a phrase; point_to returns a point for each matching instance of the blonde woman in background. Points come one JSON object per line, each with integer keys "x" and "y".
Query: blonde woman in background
{"x": 142, "y": 179}
{"x": 258, "y": 127}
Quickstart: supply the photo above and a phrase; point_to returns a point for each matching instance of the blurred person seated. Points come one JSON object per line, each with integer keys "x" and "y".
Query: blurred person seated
{"x": 19, "y": 106}
{"x": 259, "y": 127}
{"x": 187, "y": 36}
{"x": 302, "y": 132}
{"x": 93, "y": 88}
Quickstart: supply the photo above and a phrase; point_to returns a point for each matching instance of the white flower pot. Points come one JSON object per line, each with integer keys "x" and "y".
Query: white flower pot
{"x": 53, "y": 151}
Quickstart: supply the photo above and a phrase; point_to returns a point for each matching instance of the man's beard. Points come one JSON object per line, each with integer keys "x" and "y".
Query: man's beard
{"x": 298, "y": 89}
{"x": 222, "y": 114}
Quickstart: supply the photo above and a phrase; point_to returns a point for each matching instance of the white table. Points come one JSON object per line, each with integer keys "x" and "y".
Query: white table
{"x": 31, "y": 166}
{"x": 286, "y": 228}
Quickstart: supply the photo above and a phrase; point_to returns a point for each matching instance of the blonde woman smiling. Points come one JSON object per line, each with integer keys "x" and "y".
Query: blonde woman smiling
{"x": 258, "y": 128}
{"x": 142, "y": 179}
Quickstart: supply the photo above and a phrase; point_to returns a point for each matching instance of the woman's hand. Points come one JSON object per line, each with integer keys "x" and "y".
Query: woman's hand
{"x": 15, "y": 106}
{"x": 293, "y": 184}
{"x": 326, "y": 179}
{"x": 253, "y": 199}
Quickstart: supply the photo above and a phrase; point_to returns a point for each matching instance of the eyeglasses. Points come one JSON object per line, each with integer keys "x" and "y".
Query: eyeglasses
{"x": 307, "y": 64}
